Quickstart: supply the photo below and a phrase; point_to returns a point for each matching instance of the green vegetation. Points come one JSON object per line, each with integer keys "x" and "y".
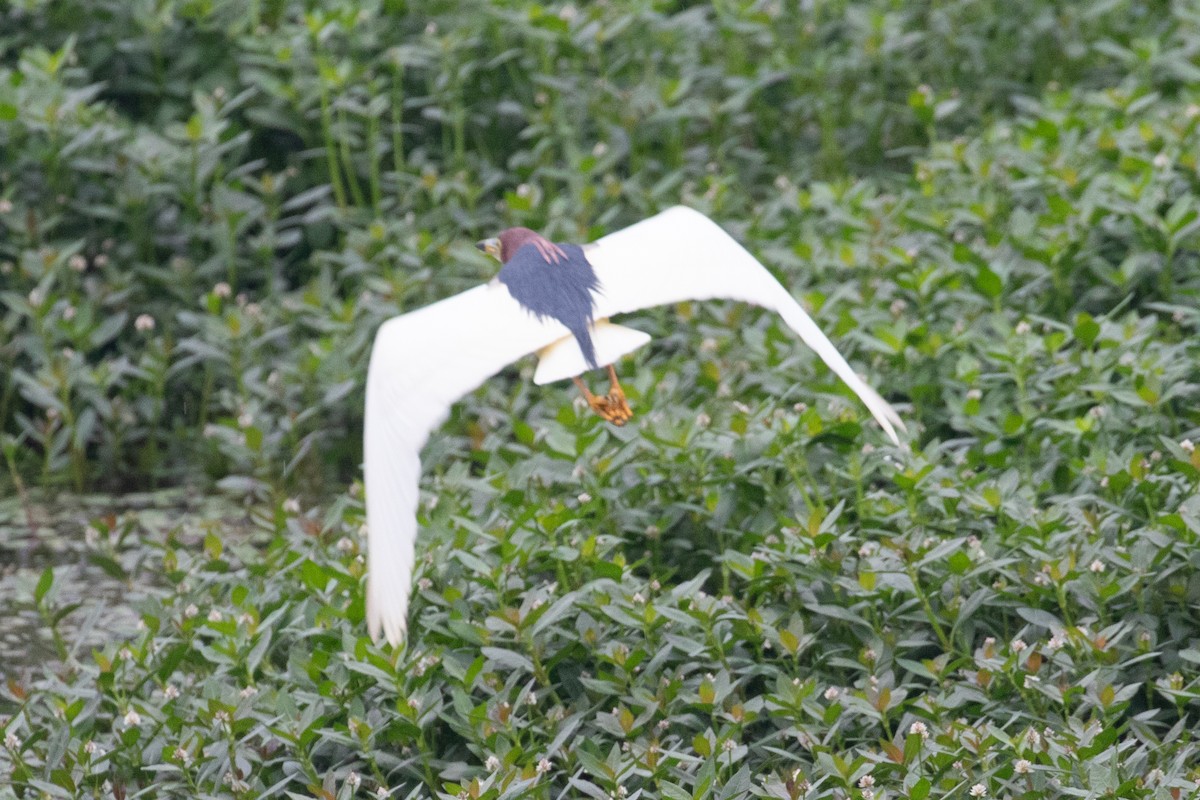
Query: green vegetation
{"x": 207, "y": 207}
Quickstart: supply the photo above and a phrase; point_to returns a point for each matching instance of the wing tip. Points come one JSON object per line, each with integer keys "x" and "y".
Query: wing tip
{"x": 393, "y": 626}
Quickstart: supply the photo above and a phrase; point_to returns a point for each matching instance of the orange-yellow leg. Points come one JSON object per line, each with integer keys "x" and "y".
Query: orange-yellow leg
{"x": 613, "y": 407}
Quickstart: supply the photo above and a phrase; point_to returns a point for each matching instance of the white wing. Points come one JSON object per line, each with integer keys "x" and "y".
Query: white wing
{"x": 424, "y": 361}
{"x": 421, "y": 363}
{"x": 681, "y": 255}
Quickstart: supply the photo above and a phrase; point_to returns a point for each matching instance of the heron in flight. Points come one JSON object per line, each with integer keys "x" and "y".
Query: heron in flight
{"x": 554, "y": 300}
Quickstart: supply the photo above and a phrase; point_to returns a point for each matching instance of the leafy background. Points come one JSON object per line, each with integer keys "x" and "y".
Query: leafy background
{"x": 207, "y": 207}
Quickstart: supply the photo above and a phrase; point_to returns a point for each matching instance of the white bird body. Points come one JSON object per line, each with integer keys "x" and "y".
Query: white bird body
{"x": 427, "y": 359}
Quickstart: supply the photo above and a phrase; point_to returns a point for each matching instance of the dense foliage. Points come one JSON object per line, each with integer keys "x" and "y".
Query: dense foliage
{"x": 206, "y": 208}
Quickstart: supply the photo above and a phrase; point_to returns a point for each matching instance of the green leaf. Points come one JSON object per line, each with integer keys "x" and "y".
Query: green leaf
{"x": 1102, "y": 742}
{"x": 1086, "y": 329}
{"x": 43, "y": 585}
{"x": 988, "y": 283}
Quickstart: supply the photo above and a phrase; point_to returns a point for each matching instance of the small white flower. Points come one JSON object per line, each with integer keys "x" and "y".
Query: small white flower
{"x": 974, "y": 394}
{"x": 1023, "y": 328}
{"x": 235, "y": 784}
{"x": 869, "y": 655}
{"x": 345, "y": 544}
{"x": 703, "y": 420}
{"x": 637, "y": 598}
{"x": 1162, "y": 160}
{"x": 6, "y": 205}
{"x": 424, "y": 584}
{"x": 728, "y": 745}
{"x": 919, "y": 729}
{"x": 1033, "y": 738}
{"x": 1097, "y": 566}
{"x": 36, "y": 297}
{"x": 898, "y": 307}
{"x": 524, "y": 191}
{"x": 584, "y": 497}
{"x": 431, "y": 29}
{"x": 214, "y": 616}
{"x": 245, "y": 419}
{"x": 291, "y": 506}
{"x": 382, "y": 792}
{"x": 191, "y": 610}
{"x": 90, "y": 747}
{"x": 868, "y": 448}
{"x": 77, "y": 262}
{"x": 599, "y": 150}
{"x": 11, "y": 741}
{"x": 1056, "y": 642}
{"x": 1187, "y": 446}
{"x": 1155, "y": 775}
{"x": 832, "y": 693}
{"x": 353, "y": 780}
{"x": 143, "y": 323}
{"x": 132, "y": 719}
{"x": 1018, "y": 645}
{"x": 866, "y": 781}
{"x": 543, "y": 766}
{"x": 492, "y": 763}
{"x": 248, "y": 692}
{"x": 170, "y": 691}
{"x": 69, "y": 313}
{"x": 978, "y": 790}
{"x": 101, "y": 260}
{"x": 182, "y": 756}
{"x": 1022, "y": 766}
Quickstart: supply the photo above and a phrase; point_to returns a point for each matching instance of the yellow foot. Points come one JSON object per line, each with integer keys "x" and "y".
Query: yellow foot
{"x": 612, "y": 407}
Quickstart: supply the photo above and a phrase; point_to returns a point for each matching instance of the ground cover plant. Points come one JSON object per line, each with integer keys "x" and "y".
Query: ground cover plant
{"x": 206, "y": 208}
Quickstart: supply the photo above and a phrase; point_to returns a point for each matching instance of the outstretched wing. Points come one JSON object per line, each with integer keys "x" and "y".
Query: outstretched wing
{"x": 424, "y": 361}
{"x": 421, "y": 364}
{"x": 680, "y": 255}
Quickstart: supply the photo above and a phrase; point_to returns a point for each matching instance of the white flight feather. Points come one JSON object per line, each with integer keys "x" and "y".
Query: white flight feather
{"x": 425, "y": 360}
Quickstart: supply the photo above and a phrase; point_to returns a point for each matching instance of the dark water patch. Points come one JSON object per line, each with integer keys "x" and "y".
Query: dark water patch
{"x": 95, "y": 557}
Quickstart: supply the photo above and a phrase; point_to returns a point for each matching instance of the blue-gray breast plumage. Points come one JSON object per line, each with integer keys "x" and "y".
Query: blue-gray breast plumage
{"x": 556, "y": 282}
